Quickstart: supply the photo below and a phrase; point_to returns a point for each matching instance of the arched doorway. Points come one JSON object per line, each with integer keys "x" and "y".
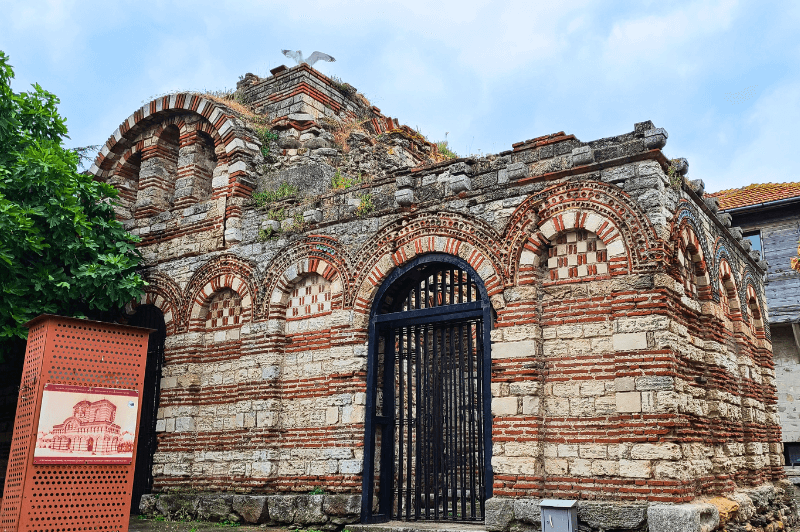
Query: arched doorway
{"x": 427, "y": 445}
{"x": 151, "y": 317}
{"x": 90, "y": 444}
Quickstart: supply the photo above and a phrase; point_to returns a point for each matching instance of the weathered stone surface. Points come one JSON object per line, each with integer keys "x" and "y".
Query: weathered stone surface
{"x": 528, "y": 512}
{"x": 404, "y": 197}
{"x": 655, "y": 138}
{"x": 214, "y": 507}
{"x": 499, "y": 514}
{"x": 342, "y": 505}
{"x": 177, "y": 506}
{"x": 253, "y": 509}
{"x": 309, "y": 510}
{"x": 282, "y": 508}
{"x": 683, "y": 517}
{"x": 612, "y": 515}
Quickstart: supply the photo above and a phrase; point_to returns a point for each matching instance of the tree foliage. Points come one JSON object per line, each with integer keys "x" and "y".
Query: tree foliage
{"x": 61, "y": 249}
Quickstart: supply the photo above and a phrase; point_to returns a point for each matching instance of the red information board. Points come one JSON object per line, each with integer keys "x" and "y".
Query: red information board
{"x": 74, "y": 445}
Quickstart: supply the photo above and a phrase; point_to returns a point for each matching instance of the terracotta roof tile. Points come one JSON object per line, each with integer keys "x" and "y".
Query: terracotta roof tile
{"x": 755, "y": 194}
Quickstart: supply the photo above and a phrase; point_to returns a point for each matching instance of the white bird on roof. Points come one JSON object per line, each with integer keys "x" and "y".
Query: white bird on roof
{"x": 313, "y": 58}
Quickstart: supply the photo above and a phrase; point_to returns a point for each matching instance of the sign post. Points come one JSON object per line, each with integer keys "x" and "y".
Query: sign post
{"x": 74, "y": 445}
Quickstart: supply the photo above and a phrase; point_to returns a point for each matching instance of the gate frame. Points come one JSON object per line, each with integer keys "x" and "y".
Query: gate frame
{"x": 483, "y": 308}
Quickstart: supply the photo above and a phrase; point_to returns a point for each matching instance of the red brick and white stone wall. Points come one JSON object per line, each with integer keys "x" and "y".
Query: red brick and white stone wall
{"x": 629, "y": 356}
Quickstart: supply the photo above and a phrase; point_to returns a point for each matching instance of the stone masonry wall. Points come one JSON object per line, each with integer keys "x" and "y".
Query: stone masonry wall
{"x": 629, "y": 355}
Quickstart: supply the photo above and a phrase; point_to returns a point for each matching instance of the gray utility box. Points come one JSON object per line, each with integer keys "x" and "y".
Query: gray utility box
{"x": 559, "y": 515}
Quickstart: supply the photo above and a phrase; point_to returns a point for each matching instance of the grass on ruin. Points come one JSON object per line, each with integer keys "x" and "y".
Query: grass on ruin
{"x": 341, "y": 129}
{"x": 445, "y": 151}
{"x": 285, "y": 190}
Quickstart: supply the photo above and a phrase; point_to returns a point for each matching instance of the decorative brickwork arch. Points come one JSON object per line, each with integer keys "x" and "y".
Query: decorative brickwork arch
{"x": 223, "y": 272}
{"x": 752, "y": 304}
{"x": 597, "y": 207}
{"x": 400, "y": 241}
{"x": 692, "y": 262}
{"x": 314, "y": 254}
{"x": 282, "y": 289}
{"x": 687, "y": 235}
{"x": 222, "y": 127}
{"x": 165, "y": 294}
{"x": 729, "y": 294}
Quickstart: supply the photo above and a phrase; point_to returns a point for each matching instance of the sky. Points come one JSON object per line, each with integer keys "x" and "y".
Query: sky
{"x": 721, "y": 76}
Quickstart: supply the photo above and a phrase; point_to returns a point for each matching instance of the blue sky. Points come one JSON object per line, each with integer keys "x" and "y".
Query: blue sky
{"x": 722, "y": 77}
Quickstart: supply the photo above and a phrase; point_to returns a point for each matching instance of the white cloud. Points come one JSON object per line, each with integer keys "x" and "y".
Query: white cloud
{"x": 768, "y": 150}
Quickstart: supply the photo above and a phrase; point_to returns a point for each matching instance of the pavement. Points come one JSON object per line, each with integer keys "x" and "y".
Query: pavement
{"x": 147, "y": 525}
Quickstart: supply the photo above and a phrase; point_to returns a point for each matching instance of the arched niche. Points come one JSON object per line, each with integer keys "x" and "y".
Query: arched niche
{"x": 157, "y": 172}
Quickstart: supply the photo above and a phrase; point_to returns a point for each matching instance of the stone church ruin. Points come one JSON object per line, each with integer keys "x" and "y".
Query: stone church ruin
{"x": 348, "y": 312}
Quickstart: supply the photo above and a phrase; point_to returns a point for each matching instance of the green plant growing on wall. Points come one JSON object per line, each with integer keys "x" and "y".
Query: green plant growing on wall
{"x": 341, "y": 181}
{"x": 675, "y": 178}
{"x": 317, "y": 491}
{"x": 285, "y": 190}
{"x": 445, "y": 151}
{"x": 267, "y": 234}
{"x": 299, "y": 222}
{"x": 366, "y": 206}
{"x": 266, "y": 136}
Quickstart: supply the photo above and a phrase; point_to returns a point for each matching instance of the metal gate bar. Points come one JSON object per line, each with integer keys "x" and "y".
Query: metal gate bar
{"x": 428, "y": 395}
{"x": 439, "y": 452}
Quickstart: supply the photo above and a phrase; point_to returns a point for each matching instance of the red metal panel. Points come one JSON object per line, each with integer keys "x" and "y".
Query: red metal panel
{"x": 61, "y": 498}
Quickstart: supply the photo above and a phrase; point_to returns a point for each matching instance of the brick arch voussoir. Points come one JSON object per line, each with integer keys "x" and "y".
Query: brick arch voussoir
{"x": 222, "y": 126}
{"x": 400, "y": 241}
{"x": 686, "y": 233}
{"x": 747, "y": 289}
{"x": 722, "y": 255}
{"x": 164, "y": 293}
{"x": 314, "y": 254}
{"x": 224, "y": 271}
{"x": 594, "y": 205}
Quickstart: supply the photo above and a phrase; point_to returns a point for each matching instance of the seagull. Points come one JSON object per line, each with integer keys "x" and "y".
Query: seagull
{"x": 316, "y": 56}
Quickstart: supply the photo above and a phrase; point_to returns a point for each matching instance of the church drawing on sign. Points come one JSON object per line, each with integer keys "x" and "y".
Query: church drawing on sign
{"x": 91, "y": 428}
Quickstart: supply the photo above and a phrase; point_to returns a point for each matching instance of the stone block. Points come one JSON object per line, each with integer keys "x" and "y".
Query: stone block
{"x": 582, "y": 155}
{"x": 460, "y": 183}
{"x": 312, "y": 216}
{"x": 655, "y": 138}
{"x": 528, "y": 511}
{"x": 683, "y": 517}
{"x": 184, "y": 424}
{"x": 654, "y": 383}
{"x": 612, "y": 515}
{"x": 624, "y": 384}
{"x": 499, "y": 514}
{"x": 629, "y": 341}
{"x": 656, "y": 451}
{"x": 505, "y": 406}
{"x": 629, "y": 402}
{"x": 273, "y": 225}
{"x": 214, "y": 507}
{"x": 635, "y": 468}
{"x": 556, "y": 466}
{"x": 522, "y": 349}
{"x": 404, "y": 197}
{"x": 530, "y": 405}
{"x": 282, "y": 508}
{"x": 351, "y": 467}
{"x": 253, "y": 509}
{"x": 404, "y": 181}
{"x": 309, "y": 510}
{"x": 517, "y": 170}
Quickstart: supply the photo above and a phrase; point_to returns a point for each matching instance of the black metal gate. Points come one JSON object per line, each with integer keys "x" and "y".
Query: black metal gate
{"x": 428, "y": 428}
{"x": 148, "y": 316}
